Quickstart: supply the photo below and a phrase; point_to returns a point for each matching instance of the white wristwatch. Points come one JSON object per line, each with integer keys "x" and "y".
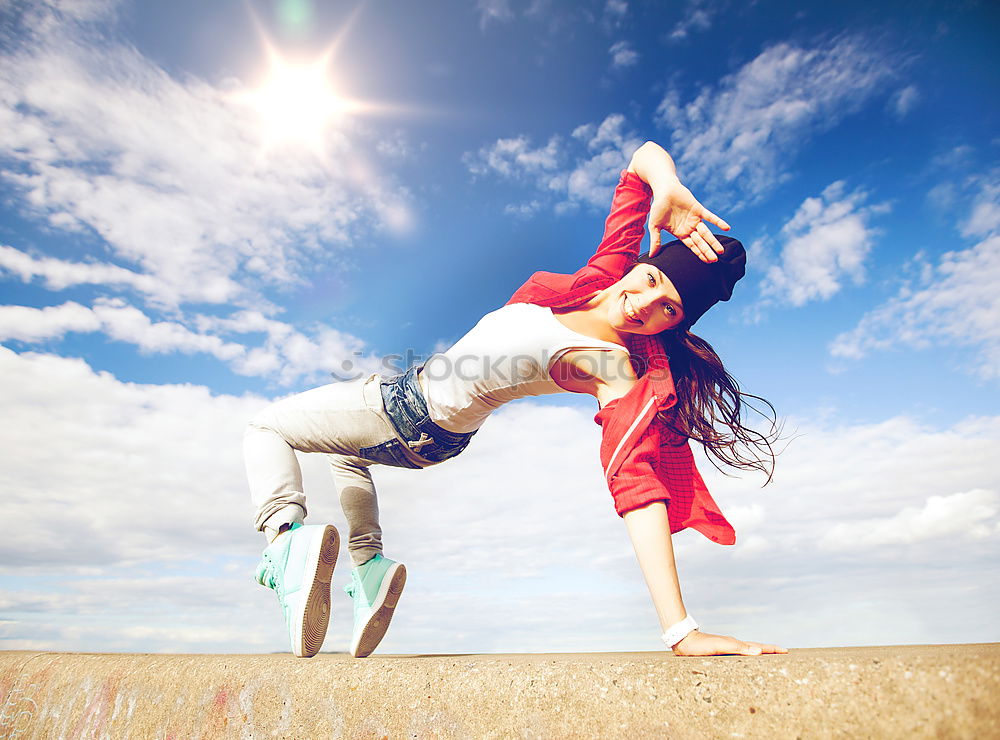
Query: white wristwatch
{"x": 679, "y": 631}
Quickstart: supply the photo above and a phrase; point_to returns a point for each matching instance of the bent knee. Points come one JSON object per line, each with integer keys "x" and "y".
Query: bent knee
{"x": 263, "y": 420}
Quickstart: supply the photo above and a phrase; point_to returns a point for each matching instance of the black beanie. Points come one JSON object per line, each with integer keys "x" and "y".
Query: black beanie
{"x": 700, "y": 284}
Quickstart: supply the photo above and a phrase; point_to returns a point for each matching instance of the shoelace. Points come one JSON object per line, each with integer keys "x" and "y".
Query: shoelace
{"x": 354, "y": 588}
{"x": 267, "y": 575}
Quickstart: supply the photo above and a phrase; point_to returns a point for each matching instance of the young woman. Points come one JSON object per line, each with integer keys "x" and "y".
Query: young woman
{"x": 617, "y": 329}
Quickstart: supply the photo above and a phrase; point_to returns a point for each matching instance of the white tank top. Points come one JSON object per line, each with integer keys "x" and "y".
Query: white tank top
{"x": 507, "y": 355}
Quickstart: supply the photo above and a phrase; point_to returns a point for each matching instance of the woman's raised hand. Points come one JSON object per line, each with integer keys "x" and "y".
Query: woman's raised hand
{"x": 703, "y": 643}
{"x": 676, "y": 210}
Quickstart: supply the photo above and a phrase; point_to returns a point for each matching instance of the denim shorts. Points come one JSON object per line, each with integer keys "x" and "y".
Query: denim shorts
{"x": 407, "y": 410}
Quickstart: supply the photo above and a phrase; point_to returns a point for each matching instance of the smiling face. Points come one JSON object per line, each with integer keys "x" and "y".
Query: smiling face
{"x": 644, "y": 301}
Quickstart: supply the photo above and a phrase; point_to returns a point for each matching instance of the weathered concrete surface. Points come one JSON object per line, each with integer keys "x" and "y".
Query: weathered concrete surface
{"x": 948, "y": 691}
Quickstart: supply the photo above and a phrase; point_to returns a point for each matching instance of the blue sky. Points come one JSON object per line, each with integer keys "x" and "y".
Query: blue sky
{"x": 173, "y": 255}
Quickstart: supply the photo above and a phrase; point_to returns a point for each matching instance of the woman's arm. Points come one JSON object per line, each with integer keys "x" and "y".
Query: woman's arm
{"x": 649, "y": 531}
{"x": 654, "y": 166}
{"x": 674, "y": 208}
{"x": 648, "y": 526}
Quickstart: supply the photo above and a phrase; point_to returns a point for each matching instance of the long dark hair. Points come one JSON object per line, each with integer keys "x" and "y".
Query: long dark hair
{"x": 711, "y": 407}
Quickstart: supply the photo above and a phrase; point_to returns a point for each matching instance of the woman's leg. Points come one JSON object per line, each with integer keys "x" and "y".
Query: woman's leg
{"x": 346, "y": 421}
{"x": 359, "y": 501}
{"x": 376, "y": 581}
{"x": 340, "y": 419}
{"x": 274, "y": 476}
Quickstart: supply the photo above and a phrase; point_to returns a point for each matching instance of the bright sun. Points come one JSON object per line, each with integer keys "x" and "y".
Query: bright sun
{"x": 296, "y": 102}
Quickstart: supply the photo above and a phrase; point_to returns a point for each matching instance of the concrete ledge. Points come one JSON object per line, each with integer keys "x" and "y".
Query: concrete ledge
{"x": 884, "y": 692}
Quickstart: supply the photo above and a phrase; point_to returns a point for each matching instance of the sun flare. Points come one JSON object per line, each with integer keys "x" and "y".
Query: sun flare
{"x": 296, "y": 102}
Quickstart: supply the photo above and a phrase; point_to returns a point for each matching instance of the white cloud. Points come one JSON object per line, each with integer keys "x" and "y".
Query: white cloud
{"x": 119, "y": 465}
{"x": 173, "y": 175}
{"x": 984, "y": 218}
{"x": 493, "y": 11}
{"x": 116, "y": 319}
{"x": 523, "y": 210}
{"x": 614, "y": 15}
{"x": 960, "y": 515}
{"x": 853, "y": 474}
{"x": 580, "y": 170}
{"x": 827, "y": 240}
{"x": 60, "y": 274}
{"x": 905, "y": 101}
{"x": 954, "y": 302}
{"x": 616, "y": 8}
{"x": 287, "y": 355}
{"x": 697, "y": 16}
{"x": 515, "y": 157}
{"x": 845, "y": 477}
{"x": 149, "y": 481}
{"x": 128, "y": 324}
{"x": 611, "y": 132}
{"x": 27, "y": 324}
{"x": 291, "y": 355}
{"x": 609, "y": 147}
{"x": 737, "y": 139}
{"x": 79, "y": 10}
{"x": 961, "y": 157}
{"x": 623, "y": 55}
{"x": 555, "y": 17}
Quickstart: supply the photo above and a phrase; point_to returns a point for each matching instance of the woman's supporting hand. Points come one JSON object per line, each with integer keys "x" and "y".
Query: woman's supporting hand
{"x": 703, "y": 643}
{"x": 649, "y": 529}
{"x": 674, "y": 209}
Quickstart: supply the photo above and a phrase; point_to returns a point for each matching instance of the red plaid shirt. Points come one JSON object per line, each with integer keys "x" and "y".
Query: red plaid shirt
{"x": 643, "y": 461}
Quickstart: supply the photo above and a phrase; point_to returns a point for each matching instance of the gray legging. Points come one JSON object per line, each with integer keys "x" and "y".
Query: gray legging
{"x": 347, "y": 421}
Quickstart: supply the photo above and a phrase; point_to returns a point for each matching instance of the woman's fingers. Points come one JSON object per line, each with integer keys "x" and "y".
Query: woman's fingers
{"x": 654, "y": 240}
{"x": 735, "y": 646}
{"x": 696, "y": 242}
{"x": 708, "y": 236}
{"x": 707, "y": 215}
{"x": 765, "y": 648}
{"x": 686, "y": 219}
{"x": 773, "y": 649}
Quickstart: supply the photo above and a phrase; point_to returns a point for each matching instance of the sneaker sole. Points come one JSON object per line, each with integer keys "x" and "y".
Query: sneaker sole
{"x": 316, "y": 616}
{"x": 385, "y": 605}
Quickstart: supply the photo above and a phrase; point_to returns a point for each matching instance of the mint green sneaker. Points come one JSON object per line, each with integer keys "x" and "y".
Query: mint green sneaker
{"x": 298, "y": 565}
{"x": 375, "y": 587}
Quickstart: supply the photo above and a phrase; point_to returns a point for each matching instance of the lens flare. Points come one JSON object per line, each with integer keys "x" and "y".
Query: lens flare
{"x": 298, "y": 106}
{"x": 296, "y": 102}
{"x": 295, "y": 15}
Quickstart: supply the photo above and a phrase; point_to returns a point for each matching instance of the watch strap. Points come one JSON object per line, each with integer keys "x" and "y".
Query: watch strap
{"x": 679, "y": 631}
